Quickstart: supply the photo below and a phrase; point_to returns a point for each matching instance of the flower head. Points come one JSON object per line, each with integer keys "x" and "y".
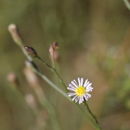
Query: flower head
{"x": 79, "y": 90}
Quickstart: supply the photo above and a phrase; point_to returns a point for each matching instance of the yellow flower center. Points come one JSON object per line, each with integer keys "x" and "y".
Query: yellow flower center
{"x": 80, "y": 91}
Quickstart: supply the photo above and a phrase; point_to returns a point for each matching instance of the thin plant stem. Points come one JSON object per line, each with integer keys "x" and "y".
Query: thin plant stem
{"x": 55, "y": 71}
{"x": 53, "y": 63}
{"x": 49, "y": 82}
{"x": 45, "y": 104}
{"x": 92, "y": 116}
{"x": 127, "y": 4}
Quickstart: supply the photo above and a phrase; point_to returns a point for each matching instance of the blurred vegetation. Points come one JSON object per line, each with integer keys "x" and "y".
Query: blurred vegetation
{"x": 94, "y": 41}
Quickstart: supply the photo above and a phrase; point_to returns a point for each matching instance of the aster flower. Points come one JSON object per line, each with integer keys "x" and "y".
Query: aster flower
{"x": 79, "y": 90}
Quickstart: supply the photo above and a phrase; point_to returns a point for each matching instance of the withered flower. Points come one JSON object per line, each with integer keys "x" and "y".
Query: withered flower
{"x": 53, "y": 50}
{"x": 12, "y": 78}
{"x": 31, "y": 51}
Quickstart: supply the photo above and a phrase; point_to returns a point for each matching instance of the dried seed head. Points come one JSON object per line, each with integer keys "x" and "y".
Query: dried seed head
{"x": 29, "y": 98}
{"x": 12, "y": 78}
{"x": 55, "y": 45}
{"x": 53, "y": 50}
{"x": 14, "y": 33}
{"x": 31, "y": 51}
{"x": 12, "y": 27}
{"x": 30, "y": 75}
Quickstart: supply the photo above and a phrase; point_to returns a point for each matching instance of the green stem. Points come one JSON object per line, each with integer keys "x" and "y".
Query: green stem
{"x": 45, "y": 104}
{"x": 92, "y": 117}
{"x": 54, "y": 70}
{"x": 49, "y": 82}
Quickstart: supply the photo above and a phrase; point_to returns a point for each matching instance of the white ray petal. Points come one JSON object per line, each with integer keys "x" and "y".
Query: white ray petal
{"x": 88, "y": 95}
{"x": 71, "y": 86}
{"x": 74, "y": 84}
{"x": 72, "y": 89}
{"x": 81, "y": 100}
{"x": 74, "y": 98}
{"x": 71, "y": 94}
{"x": 88, "y": 85}
{"x": 89, "y": 89}
{"x": 79, "y": 81}
{"x": 86, "y": 82}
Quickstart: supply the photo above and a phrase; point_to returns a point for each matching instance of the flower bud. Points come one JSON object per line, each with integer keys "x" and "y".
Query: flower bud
{"x": 31, "y": 51}
{"x": 15, "y": 33}
{"x": 12, "y": 78}
{"x": 29, "y": 98}
{"x": 30, "y": 75}
{"x": 53, "y": 50}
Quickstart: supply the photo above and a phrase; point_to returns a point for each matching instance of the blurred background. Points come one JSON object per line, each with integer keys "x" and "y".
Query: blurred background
{"x": 93, "y": 39}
